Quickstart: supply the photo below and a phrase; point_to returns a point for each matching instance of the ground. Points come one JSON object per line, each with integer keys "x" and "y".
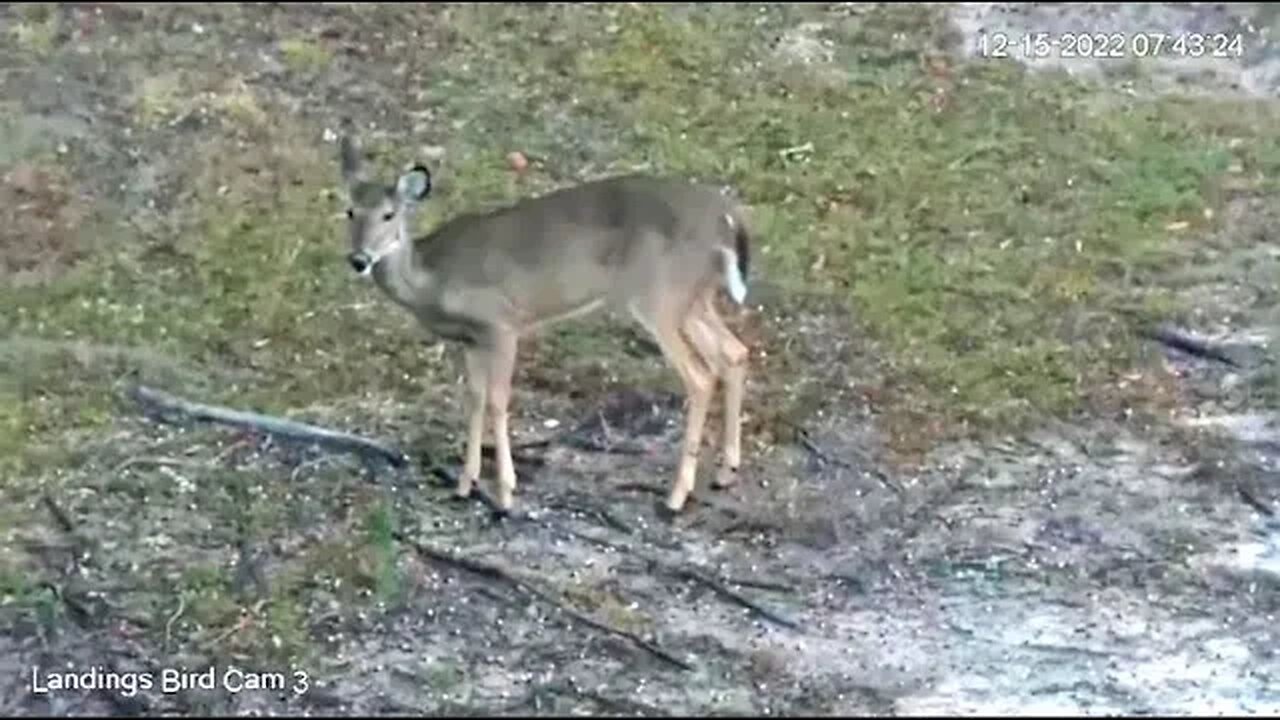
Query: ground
{"x": 973, "y": 481}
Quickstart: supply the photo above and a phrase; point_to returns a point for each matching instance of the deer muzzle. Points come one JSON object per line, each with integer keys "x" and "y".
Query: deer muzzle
{"x": 361, "y": 261}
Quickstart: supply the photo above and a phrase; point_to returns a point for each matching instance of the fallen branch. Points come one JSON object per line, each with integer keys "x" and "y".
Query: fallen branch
{"x": 494, "y": 572}
{"x": 84, "y": 546}
{"x": 449, "y": 479}
{"x": 60, "y": 515}
{"x": 721, "y": 590}
{"x": 168, "y": 626}
{"x": 639, "y": 487}
{"x": 170, "y": 404}
{"x": 1179, "y": 340}
{"x": 806, "y": 442}
{"x": 751, "y": 525}
{"x": 1254, "y": 501}
{"x": 579, "y": 503}
{"x": 760, "y": 584}
{"x": 621, "y": 706}
{"x": 854, "y": 583}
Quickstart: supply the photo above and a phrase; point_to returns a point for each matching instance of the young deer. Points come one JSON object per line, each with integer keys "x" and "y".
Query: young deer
{"x": 658, "y": 249}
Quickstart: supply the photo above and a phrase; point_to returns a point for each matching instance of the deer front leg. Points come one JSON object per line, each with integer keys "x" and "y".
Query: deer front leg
{"x": 699, "y": 383}
{"x": 727, "y": 357}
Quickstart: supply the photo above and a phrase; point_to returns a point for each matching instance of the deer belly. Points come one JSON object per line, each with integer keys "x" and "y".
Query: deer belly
{"x": 456, "y": 328}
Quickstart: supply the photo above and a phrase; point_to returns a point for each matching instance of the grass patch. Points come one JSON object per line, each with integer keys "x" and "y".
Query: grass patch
{"x": 160, "y": 98}
{"x": 609, "y": 607}
{"x": 303, "y": 55}
{"x": 210, "y": 602}
{"x": 237, "y": 101}
{"x": 36, "y": 28}
{"x": 998, "y": 234}
{"x": 1003, "y": 244}
{"x": 380, "y": 532}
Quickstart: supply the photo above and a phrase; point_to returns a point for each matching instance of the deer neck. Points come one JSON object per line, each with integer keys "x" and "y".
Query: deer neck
{"x": 402, "y": 276}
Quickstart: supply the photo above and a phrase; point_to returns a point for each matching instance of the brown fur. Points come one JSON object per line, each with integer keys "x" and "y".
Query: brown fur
{"x": 653, "y": 248}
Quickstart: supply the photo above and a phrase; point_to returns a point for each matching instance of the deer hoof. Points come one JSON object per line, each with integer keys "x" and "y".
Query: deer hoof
{"x": 726, "y": 477}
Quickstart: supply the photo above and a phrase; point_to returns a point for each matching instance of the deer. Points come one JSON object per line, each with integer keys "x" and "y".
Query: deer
{"x": 657, "y": 249}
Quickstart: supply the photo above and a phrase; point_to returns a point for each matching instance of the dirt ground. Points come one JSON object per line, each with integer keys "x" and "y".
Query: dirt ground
{"x": 1099, "y": 565}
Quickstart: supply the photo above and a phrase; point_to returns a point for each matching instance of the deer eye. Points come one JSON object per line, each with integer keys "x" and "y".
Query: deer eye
{"x": 388, "y": 215}
{"x": 351, "y": 214}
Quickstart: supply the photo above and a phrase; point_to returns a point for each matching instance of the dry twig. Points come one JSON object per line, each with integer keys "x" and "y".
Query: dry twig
{"x": 168, "y": 626}
{"x": 494, "y": 572}
{"x": 164, "y": 403}
{"x": 736, "y": 598}
{"x": 1179, "y": 340}
{"x": 806, "y": 442}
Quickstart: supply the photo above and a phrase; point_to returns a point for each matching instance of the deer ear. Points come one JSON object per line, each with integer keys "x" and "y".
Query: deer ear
{"x": 350, "y": 158}
{"x": 415, "y": 185}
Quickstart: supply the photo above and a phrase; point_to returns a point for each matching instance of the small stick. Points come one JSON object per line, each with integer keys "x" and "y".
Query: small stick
{"x": 760, "y": 584}
{"x": 621, "y": 706}
{"x": 241, "y": 624}
{"x": 168, "y": 626}
{"x": 638, "y": 487}
{"x": 721, "y": 590}
{"x": 580, "y": 504}
{"x": 751, "y": 525}
{"x": 803, "y": 437}
{"x": 157, "y": 399}
{"x": 1178, "y": 340}
{"x": 494, "y": 572}
{"x": 1254, "y": 501}
{"x": 158, "y": 461}
{"x": 60, "y": 515}
{"x": 82, "y": 543}
{"x": 851, "y": 581}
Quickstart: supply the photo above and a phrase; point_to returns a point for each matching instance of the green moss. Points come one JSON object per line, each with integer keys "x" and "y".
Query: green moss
{"x": 304, "y": 55}
{"x": 380, "y": 533}
{"x": 210, "y": 601}
{"x": 35, "y": 29}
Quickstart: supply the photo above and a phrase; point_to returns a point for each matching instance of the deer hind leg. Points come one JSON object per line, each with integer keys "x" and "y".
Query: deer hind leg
{"x": 478, "y": 361}
{"x": 699, "y": 382}
{"x": 498, "y": 398}
{"x": 727, "y": 356}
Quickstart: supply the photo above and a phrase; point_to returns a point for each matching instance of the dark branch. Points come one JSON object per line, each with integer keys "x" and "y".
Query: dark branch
{"x": 1254, "y": 501}
{"x": 806, "y": 442}
{"x": 736, "y": 598}
{"x": 1179, "y": 340}
{"x": 166, "y": 404}
{"x": 494, "y": 572}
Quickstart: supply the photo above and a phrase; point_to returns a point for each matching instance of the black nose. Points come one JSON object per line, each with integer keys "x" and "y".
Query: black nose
{"x": 359, "y": 261}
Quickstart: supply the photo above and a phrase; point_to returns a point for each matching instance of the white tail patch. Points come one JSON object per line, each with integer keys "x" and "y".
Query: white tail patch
{"x": 733, "y": 276}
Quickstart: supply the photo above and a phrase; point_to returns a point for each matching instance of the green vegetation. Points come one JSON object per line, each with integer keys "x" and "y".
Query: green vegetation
{"x": 380, "y": 531}
{"x": 1002, "y": 234}
{"x": 304, "y": 55}
{"x": 996, "y": 236}
{"x": 36, "y": 28}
